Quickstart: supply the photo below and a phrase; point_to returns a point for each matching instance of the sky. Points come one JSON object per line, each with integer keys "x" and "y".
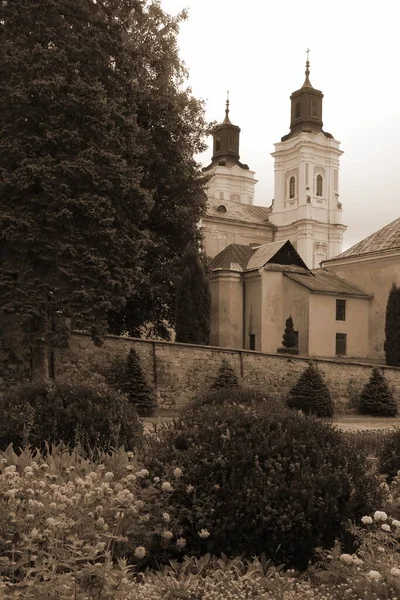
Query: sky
{"x": 257, "y": 50}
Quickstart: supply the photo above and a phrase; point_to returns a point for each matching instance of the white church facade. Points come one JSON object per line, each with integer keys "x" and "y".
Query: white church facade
{"x": 270, "y": 263}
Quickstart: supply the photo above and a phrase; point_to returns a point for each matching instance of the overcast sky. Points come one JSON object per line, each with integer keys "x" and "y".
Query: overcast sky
{"x": 257, "y": 50}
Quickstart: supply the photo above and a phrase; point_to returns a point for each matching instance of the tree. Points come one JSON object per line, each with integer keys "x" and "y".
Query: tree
{"x": 310, "y": 394}
{"x": 392, "y": 328}
{"x": 193, "y": 301}
{"x": 226, "y": 378}
{"x": 135, "y": 387}
{"x": 289, "y": 341}
{"x": 92, "y": 109}
{"x": 376, "y": 398}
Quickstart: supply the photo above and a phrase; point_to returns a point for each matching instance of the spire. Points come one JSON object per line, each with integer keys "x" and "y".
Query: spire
{"x": 226, "y": 120}
{"x": 307, "y": 82}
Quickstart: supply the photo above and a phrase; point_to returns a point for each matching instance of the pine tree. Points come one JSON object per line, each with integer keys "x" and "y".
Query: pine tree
{"x": 310, "y": 394}
{"x": 392, "y": 328}
{"x": 226, "y": 378}
{"x": 289, "y": 341}
{"x": 135, "y": 387}
{"x": 376, "y": 398}
{"x": 193, "y": 301}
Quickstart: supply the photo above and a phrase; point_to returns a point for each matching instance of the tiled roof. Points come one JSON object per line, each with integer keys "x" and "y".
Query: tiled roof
{"x": 263, "y": 254}
{"x": 236, "y": 211}
{"x": 233, "y": 258}
{"x": 387, "y": 238}
{"x": 239, "y": 257}
{"x": 325, "y": 282}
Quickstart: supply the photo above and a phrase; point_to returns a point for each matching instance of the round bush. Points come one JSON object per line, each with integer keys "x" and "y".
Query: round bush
{"x": 311, "y": 394}
{"x": 376, "y": 397}
{"x": 88, "y": 413}
{"x": 389, "y": 458}
{"x": 265, "y": 480}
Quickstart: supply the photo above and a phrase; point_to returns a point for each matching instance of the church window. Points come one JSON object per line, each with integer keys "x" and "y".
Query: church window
{"x": 292, "y": 187}
{"x": 221, "y": 208}
{"x": 341, "y": 344}
{"x": 231, "y": 142}
{"x": 297, "y": 110}
{"x": 217, "y": 144}
{"x": 314, "y": 109}
{"x": 252, "y": 341}
{"x": 319, "y": 185}
{"x": 340, "y": 310}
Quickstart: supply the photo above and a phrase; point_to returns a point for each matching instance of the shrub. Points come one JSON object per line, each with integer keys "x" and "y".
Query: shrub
{"x": 389, "y": 459}
{"x": 289, "y": 342}
{"x": 230, "y": 395}
{"x": 264, "y": 479}
{"x": 88, "y": 413}
{"x": 392, "y": 329}
{"x": 376, "y": 398}
{"x": 226, "y": 378}
{"x": 310, "y": 394}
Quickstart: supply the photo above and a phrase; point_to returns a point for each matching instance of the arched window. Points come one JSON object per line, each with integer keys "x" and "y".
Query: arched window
{"x": 292, "y": 187}
{"x": 319, "y": 185}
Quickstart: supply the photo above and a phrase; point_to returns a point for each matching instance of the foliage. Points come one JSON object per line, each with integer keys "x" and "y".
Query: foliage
{"x": 389, "y": 458}
{"x": 376, "y": 398}
{"x": 392, "y": 328}
{"x": 226, "y": 378}
{"x": 128, "y": 377}
{"x": 193, "y": 301}
{"x": 88, "y": 413}
{"x": 310, "y": 394}
{"x": 371, "y": 441}
{"x": 289, "y": 341}
{"x": 230, "y": 395}
{"x": 265, "y": 479}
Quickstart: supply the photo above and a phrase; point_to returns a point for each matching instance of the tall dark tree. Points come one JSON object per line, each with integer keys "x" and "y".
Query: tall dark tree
{"x": 99, "y": 191}
{"x": 392, "y": 328}
{"x": 193, "y": 301}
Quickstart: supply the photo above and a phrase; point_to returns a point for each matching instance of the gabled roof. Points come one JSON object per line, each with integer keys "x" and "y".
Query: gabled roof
{"x": 325, "y": 282}
{"x": 387, "y": 238}
{"x": 236, "y": 211}
{"x": 239, "y": 257}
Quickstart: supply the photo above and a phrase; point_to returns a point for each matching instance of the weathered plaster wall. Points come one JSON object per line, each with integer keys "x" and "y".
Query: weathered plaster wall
{"x": 374, "y": 275}
{"x": 180, "y": 371}
{"x": 252, "y": 308}
{"x": 272, "y": 311}
{"x": 323, "y": 325}
{"x": 296, "y": 305}
{"x": 226, "y": 289}
{"x": 217, "y": 235}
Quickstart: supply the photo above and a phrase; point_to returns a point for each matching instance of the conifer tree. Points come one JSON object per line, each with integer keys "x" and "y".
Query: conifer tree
{"x": 392, "y": 328}
{"x": 226, "y": 378}
{"x": 289, "y": 341}
{"x": 310, "y": 394}
{"x": 376, "y": 398}
{"x": 134, "y": 385}
{"x": 193, "y": 301}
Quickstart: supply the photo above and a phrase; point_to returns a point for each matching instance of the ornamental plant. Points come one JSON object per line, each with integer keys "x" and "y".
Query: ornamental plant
{"x": 226, "y": 378}
{"x": 128, "y": 377}
{"x": 311, "y": 394}
{"x": 377, "y": 398}
{"x": 289, "y": 342}
{"x": 265, "y": 479}
{"x": 389, "y": 458}
{"x": 392, "y": 327}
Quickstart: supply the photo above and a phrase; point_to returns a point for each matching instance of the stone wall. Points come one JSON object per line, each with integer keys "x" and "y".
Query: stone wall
{"x": 180, "y": 371}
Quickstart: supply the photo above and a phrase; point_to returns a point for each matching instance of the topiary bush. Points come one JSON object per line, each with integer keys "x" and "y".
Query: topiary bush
{"x": 226, "y": 378}
{"x": 265, "y": 479}
{"x": 389, "y": 457}
{"x": 376, "y": 399}
{"x": 311, "y": 394}
{"x": 128, "y": 377}
{"x": 289, "y": 342}
{"x": 85, "y": 413}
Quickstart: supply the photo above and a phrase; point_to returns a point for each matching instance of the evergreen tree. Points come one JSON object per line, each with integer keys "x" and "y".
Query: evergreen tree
{"x": 376, "y": 398}
{"x": 135, "y": 386}
{"x": 310, "y": 394}
{"x": 193, "y": 301}
{"x": 289, "y": 341}
{"x": 392, "y": 328}
{"x": 226, "y": 378}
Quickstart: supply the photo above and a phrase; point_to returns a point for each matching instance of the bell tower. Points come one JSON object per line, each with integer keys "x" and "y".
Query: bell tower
{"x": 306, "y": 208}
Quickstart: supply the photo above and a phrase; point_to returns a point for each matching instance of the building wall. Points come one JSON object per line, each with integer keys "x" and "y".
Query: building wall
{"x": 252, "y": 308}
{"x": 218, "y": 234}
{"x": 226, "y": 309}
{"x": 231, "y": 183}
{"x": 375, "y": 276}
{"x": 323, "y": 325}
{"x": 296, "y": 305}
{"x": 272, "y": 316}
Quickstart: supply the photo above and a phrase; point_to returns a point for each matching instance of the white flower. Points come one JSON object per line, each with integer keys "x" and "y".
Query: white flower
{"x": 181, "y": 542}
{"x": 129, "y": 455}
{"x": 108, "y": 476}
{"x": 346, "y": 558}
{"x": 395, "y": 523}
{"x": 142, "y": 473}
{"x": 178, "y": 473}
{"x": 385, "y": 527}
{"x": 167, "y": 535}
{"x": 379, "y": 515}
{"x": 189, "y": 489}
{"x": 156, "y": 479}
{"x": 357, "y": 561}
{"x": 381, "y": 549}
{"x": 395, "y": 571}
{"x": 166, "y": 486}
{"x": 367, "y": 520}
{"x": 375, "y": 575}
{"x": 140, "y": 552}
{"x": 166, "y": 517}
{"x": 204, "y": 533}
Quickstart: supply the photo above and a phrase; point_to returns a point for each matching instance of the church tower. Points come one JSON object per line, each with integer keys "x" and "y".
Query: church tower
{"x": 306, "y": 208}
{"x": 231, "y": 179}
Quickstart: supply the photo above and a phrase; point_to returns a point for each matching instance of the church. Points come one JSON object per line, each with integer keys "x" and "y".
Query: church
{"x": 269, "y": 263}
